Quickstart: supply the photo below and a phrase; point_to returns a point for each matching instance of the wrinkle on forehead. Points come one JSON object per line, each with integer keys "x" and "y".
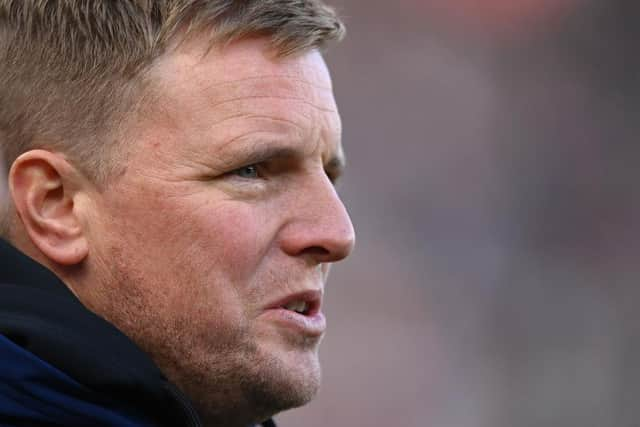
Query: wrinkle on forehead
{"x": 236, "y": 66}
{"x": 242, "y": 71}
{"x": 287, "y": 77}
{"x": 233, "y": 93}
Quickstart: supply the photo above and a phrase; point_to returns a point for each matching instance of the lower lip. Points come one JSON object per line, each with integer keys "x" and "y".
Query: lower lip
{"x": 312, "y": 325}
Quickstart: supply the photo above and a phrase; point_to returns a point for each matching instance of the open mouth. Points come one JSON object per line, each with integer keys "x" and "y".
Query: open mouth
{"x": 301, "y": 307}
{"x": 305, "y": 303}
{"x": 300, "y": 311}
{"x": 305, "y": 308}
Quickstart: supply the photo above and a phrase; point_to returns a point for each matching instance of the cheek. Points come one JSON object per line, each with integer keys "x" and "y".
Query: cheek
{"x": 221, "y": 255}
{"x": 205, "y": 239}
{"x": 194, "y": 263}
{"x": 193, "y": 251}
{"x": 233, "y": 238}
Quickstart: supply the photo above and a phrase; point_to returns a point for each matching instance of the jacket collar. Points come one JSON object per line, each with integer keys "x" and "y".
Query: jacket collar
{"x": 39, "y": 313}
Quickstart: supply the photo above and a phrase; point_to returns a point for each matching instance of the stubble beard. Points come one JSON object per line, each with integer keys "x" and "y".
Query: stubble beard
{"x": 244, "y": 387}
{"x": 229, "y": 378}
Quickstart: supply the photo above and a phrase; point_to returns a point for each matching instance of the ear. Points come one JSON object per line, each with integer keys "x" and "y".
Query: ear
{"x": 45, "y": 189}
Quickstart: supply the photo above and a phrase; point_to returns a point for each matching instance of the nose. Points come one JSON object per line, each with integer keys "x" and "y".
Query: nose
{"x": 320, "y": 228}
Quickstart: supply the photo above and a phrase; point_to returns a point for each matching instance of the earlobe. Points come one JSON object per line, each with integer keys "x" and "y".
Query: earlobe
{"x": 45, "y": 189}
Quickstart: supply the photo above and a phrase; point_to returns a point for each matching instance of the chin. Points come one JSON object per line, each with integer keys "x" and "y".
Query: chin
{"x": 287, "y": 380}
{"x": 259, "y": 386}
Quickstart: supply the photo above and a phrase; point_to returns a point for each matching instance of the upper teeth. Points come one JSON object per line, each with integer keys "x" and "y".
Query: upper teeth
{"x": 299, "y": 306}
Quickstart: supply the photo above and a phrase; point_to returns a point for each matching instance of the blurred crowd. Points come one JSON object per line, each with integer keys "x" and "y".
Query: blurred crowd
{"x": 492, "y": 181}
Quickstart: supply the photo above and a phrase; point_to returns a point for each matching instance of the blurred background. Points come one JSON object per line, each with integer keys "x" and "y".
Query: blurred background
{"x": 493, "y": 163}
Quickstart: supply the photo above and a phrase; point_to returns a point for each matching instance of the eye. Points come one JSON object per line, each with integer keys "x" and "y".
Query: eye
{"x": 249, "y": 172}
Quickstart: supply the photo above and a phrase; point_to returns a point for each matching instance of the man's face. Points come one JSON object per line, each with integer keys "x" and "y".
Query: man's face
{"x": 225, "y": 213}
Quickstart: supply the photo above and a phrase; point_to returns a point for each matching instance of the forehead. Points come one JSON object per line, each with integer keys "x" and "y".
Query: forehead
{"x": 217, "y": 93}
{"x": 239, "y": 60}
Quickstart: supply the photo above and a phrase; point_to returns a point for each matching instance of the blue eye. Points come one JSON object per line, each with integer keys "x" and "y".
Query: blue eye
{"x": 250, "y": 171}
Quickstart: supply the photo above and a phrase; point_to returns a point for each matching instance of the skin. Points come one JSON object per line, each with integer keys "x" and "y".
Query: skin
{"x": 226, "y": 205}
{"x": 3, "y": 184}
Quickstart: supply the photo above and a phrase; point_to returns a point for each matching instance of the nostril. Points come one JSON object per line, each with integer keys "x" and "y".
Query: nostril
{"x": 317, "y": 251}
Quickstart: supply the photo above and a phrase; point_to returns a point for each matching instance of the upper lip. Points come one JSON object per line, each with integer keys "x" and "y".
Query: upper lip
{"x": 313, "y": 298}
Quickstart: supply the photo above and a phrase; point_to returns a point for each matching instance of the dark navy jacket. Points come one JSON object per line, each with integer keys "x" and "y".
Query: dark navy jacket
{"x": 61, "y": 365}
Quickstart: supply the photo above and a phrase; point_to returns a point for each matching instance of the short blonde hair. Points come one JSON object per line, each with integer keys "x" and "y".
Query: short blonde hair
{"x": 72, "y": 70}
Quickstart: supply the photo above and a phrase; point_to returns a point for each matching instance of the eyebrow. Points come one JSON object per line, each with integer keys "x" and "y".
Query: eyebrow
{"x": 261, "y": 152}
{"x": 256, "y": 153}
